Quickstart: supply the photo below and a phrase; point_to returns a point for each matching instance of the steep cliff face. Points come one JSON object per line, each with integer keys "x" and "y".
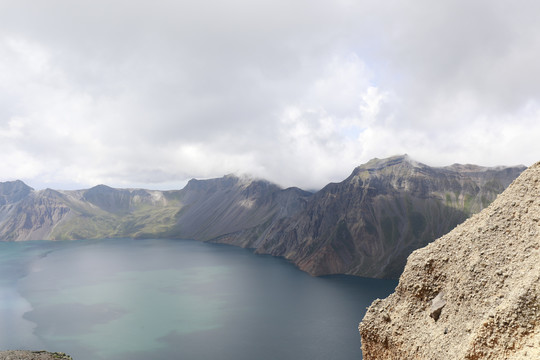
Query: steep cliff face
{"x": 233, "y": 207}
{"x": 472, "y": 294}
{"x": 368, "y": 224}
{"x": 116, "y": 201}
{"x": 33, "y": 216}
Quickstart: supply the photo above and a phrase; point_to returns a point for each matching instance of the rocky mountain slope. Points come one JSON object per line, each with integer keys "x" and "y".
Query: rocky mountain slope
{"x": 472, "y": 294}
{"x": 203, "y": 210}
{"x": 366, "y": 225}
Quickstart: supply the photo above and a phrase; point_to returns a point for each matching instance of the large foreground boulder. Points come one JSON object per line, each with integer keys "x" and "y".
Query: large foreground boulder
{"x": 473, "y": 293}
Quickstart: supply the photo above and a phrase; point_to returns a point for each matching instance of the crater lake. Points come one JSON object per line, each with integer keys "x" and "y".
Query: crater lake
{"x": 126, "y": 299}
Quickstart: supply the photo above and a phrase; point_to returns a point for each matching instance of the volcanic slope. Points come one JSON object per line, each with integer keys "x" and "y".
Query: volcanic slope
{"x": 203, "y": 210}
{"x": 366, "y": 225}
{"x": 369, "y": 223}
{"x": 472, "y": 294}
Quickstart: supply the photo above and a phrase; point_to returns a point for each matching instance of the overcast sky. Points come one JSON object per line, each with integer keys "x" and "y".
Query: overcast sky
{"x": 153, "y": 93}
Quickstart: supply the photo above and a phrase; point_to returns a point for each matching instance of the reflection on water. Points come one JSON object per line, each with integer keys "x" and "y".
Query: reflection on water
{"x": 163, "y": 299}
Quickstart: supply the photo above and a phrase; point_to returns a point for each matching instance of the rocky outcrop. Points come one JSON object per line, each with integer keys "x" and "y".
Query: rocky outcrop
{"x": 33, "y": 355}
{"x": 368, "y": 224}
{"x": 472, "y": 294}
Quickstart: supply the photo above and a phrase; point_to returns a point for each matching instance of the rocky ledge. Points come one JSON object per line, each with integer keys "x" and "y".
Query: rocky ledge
{"x": 33, "y": 355}
{"x": 473, "y": 293}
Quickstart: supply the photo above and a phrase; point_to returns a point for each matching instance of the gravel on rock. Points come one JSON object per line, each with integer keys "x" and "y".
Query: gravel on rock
{"x": 32, "y": 355}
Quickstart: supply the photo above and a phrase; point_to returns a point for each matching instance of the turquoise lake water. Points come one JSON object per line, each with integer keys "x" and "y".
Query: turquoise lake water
{"x": 125, "y": 299}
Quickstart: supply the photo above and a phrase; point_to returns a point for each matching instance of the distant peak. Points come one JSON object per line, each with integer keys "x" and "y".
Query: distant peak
{"x": 13, "y": 191}
{"x": 471, "y": 168}
{"x": 101, "y": 186}
{"x": 100, "y": 189}
{"x": 466, "y": 167}
{"x": 15, "y": 184}
{"x": 377, "y": 164}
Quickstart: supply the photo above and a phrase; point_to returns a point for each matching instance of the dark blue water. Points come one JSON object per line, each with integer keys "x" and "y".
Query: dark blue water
{"x": 173, "y": 299}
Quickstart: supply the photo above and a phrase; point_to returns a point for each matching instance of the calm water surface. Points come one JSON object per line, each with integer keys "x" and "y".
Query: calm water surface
{"x": 126, "y": 299}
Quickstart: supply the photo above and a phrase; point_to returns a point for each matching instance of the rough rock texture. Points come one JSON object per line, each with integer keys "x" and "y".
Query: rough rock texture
{"x": 32, "y": 355}
{"x": 488, "y": 272}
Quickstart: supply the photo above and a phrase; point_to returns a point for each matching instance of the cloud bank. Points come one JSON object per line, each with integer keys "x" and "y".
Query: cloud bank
{"x": 150, "y": 94}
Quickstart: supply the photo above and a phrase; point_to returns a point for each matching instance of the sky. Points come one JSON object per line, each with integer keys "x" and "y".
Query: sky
{"x": 299, "y": 92}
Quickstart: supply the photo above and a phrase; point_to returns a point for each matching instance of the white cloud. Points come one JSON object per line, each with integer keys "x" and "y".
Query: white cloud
{"x": 297, "y": 92}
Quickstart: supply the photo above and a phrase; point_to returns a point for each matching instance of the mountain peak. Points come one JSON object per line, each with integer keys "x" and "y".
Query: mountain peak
{"x": 377, "y": 164}
{"x": 108, "y": 198}
{"x": 227, "y": 181}
{"x": 14, "y": 184}
{"x": 394, "y": 164}
{"x": 13, "y": 191}
{"x": 465, "y": 168}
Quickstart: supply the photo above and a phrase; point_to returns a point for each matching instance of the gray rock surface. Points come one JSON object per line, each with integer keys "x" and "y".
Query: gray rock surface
{"x": 489, "y": 271}
{"x": 437, "y": 305}
{"x": 368, "y": 224}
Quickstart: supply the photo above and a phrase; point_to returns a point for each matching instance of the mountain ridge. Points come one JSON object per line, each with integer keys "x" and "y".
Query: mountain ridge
{"x": 370, "y": 222}
{"x": 365, "y": 225}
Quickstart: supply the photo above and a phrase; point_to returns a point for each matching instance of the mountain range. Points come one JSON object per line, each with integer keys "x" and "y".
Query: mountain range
{"x": 365, "y": 225}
